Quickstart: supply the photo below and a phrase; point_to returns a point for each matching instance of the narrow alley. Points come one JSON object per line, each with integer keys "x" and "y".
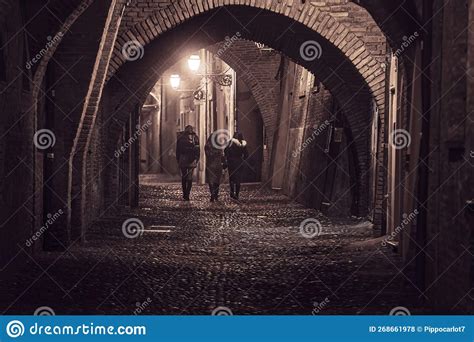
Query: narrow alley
{"x": 192, "y": 257}
{"x": 339, "y": 132}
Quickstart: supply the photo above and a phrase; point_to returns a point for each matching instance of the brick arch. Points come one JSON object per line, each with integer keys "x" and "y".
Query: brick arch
{"x": 254, "y": 81}
{"x": 339, "y": 73}
{"x": 258, "y": 89}
{"x": 322, "y": 23}
{"x": 347, "y": 67}
{"x": 337, "y": 34}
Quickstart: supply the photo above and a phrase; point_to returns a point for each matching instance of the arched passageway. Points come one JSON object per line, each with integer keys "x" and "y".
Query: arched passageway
{"x": 353, "y": 94}
{"x": 213, "y": 97}
{"x": 335, "y": 84}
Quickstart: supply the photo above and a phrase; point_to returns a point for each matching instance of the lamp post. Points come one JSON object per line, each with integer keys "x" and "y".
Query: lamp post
{"x": 175, "y": 81}
{"x": 194, "y": 62}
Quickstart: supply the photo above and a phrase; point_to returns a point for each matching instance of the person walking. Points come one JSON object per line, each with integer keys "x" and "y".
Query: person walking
{"x": 215, "y": 165}
{"x": 187, "y": 156}
{"x": 236, "y": 152}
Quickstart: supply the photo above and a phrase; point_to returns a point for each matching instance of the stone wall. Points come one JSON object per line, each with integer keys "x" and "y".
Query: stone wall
{"x": 319, "y": 158}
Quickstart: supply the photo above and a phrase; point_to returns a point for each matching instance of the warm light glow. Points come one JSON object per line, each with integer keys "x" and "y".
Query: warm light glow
{"x": 194, "y": 61}
{"x": 175, "y": 81}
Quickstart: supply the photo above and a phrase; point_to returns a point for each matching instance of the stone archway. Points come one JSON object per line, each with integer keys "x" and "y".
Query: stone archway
{"x": 336, "y": 70}
{"x": 322, "y": 23}
{"x": 153, "y": 23}
{"x": 346, "y": 68}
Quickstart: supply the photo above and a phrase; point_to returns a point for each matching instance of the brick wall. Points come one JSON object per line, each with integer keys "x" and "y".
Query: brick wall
{"x": 318, "y": 168}
{"x": 346, "y": 12}
{"x": 77, "y": 172}
{"x": 72, "y": 78}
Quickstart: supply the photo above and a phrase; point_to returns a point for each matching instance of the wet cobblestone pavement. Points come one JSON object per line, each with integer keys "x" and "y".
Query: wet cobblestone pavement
{"x": 249, "y": 257}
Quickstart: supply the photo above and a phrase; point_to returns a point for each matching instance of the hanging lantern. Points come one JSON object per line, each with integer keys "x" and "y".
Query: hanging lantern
{"x": 175, "y": 81}
{"x": 194, "y": 61}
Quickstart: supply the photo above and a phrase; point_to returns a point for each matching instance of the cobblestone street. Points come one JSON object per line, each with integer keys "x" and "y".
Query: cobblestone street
{"x": 249, "y": 257}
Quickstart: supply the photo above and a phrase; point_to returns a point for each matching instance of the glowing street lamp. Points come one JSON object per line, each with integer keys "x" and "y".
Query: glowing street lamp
{"x": 175, "y": 81}
{"x": 194, "y": 61}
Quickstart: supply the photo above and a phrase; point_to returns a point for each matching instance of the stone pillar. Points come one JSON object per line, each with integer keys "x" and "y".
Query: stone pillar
{"x": 77, "y": 175}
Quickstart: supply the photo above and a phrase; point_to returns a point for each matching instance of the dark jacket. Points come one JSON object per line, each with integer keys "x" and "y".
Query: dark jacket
{"x": 187, "y": 150}
{"x": 236, "y": 153}
{"x": 215, "y": 161}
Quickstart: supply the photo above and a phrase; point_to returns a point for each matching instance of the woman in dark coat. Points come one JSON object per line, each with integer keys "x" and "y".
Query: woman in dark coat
{"x": 187, "y": 155}
{"x": 236, "y": 153}
{"x": 215, "y": 164}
